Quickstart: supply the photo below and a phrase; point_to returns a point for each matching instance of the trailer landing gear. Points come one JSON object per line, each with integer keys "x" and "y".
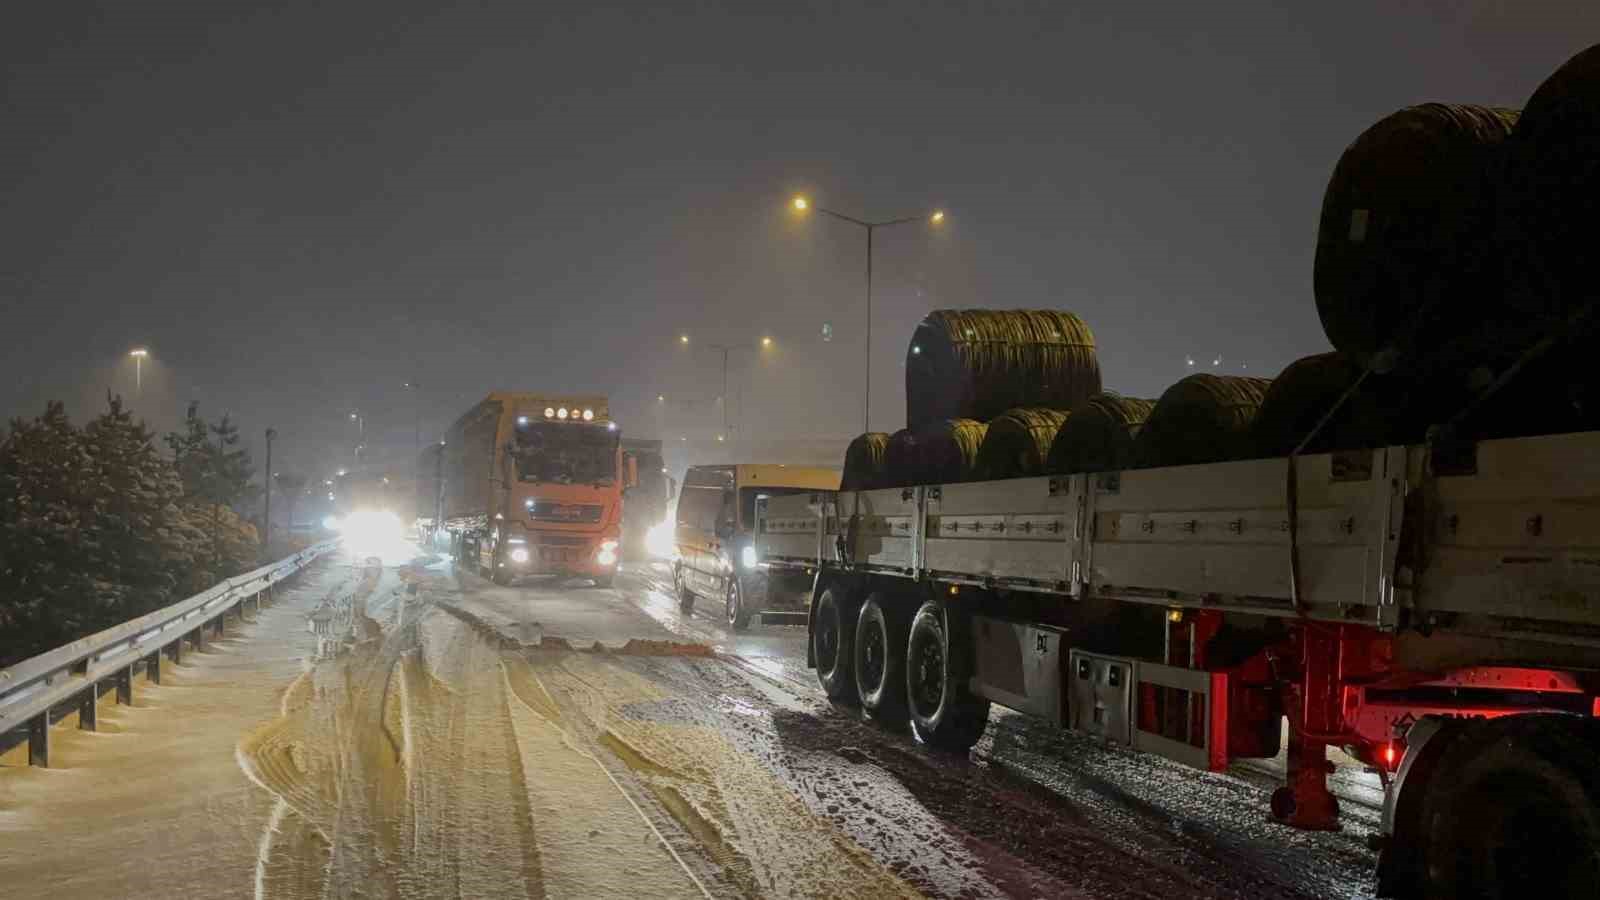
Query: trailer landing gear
{"x": 1305, "y": 802}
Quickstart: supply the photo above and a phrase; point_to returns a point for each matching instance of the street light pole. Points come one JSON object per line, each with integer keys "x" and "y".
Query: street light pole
{"x": 802, "y": 204}
{"x": 138, "y": 354}
{"x": 416, "y": 415}
{"x": 266, "y": 512}
{"x": 361, "y": 433}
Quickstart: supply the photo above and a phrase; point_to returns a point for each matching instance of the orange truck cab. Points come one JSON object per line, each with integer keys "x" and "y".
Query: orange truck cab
{"x": 533, "y": 484}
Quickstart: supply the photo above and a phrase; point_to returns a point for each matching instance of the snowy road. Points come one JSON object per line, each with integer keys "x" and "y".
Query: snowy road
{"x": 472, "y": 742}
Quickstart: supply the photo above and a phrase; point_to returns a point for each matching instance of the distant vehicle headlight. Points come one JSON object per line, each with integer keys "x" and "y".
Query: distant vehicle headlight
{"x": 561, "y": 413}
{"x": 747, "y": 557}
{"x": 332, "y": 523}
{"x": 588, "y": 415}
{"x": 549, "y": 412}
{"x": 519, "y": 555}
{"x": 661, "y": 540}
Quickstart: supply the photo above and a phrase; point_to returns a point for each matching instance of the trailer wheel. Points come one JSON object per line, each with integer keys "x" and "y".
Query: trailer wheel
{"x": 681, "y": 585}
{"x": 880, "y": 662}
{"x": 832, "y": 641}
{"x": 1514, "y": 811}
{"x": 944, "y": 714}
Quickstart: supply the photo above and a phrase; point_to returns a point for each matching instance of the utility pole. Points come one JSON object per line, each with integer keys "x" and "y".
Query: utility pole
{"x": 266, "y": 512}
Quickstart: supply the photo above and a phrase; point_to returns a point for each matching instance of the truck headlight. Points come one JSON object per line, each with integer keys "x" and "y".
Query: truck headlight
{"x": 519, "y": 555}
{"x": 609, "y": 545}
{"x": 747, "y": 557}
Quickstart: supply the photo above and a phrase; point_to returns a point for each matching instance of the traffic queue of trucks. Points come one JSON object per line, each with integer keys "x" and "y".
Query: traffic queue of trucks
{"x": 530, "y": 484}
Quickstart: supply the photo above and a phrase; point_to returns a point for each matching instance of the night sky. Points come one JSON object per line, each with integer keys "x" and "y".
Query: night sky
{"x": 299, "y": 208}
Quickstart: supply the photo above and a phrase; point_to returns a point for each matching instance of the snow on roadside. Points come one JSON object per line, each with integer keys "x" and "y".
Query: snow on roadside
{"x": 154, "y": 797}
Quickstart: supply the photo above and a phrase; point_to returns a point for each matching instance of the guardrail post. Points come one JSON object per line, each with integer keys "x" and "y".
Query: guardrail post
{"x": 175, "y": 650}
{"x": 86, "y": 708}
{"x": 199, "y": 636}
{"x": 39, "y": 740}
{"x": 152, "y": 668}
{"x": 125, "y": 686}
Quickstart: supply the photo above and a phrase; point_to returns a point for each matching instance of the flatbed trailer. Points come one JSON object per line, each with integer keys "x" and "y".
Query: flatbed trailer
{"x": 1433, "y": 610}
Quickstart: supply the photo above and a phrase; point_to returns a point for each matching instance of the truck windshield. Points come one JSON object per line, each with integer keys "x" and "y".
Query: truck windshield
{"x": 565, "y": 453}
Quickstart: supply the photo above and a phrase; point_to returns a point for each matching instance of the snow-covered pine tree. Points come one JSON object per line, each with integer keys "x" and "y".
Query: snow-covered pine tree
{"x": 148, "y": 546}
{"x": 50, "y": 589}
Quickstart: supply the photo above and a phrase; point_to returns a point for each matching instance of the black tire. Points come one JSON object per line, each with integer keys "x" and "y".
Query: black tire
{"x": 604, "y": 581}
{"x": 832, "y": 642}
{"x": 880, "y": 660}
{"x": 738, "y": 612}
{"x": 685, "y": 596}
{"x": 943, "y": 713}
{"x": 1514, "y": 811}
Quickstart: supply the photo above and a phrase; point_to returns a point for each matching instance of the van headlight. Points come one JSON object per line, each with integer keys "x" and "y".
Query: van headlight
{"x": 519, "y": 555}
{"x": 747, "y": 557}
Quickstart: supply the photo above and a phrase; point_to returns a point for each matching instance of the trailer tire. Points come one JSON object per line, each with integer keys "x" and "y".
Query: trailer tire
{"x": 880, "y": 660}
{"x": 1514, "y": 810}
{"x": 943, "y": 713}
{"x": 833, "y": 643}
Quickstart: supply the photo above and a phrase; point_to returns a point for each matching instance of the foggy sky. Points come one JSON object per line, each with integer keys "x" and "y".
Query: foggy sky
{"x": 298, "y": 208}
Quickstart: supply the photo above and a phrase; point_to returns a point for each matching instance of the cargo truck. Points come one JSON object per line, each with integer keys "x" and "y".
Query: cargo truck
{"x": 531, "y": 484}
{"x": 647, "y": 502}
{"x": 1433, "y": 610}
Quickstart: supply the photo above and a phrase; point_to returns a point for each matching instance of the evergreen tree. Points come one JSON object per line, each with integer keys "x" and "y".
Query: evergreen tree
{"x": 216, "y": 471}
{"x": 50, "y": 592}
{"x": 146, "y": 543}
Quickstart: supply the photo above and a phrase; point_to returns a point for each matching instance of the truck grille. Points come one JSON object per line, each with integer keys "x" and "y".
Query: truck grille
{"x": 560, "y": 540}
{"x": 565, "y": 512}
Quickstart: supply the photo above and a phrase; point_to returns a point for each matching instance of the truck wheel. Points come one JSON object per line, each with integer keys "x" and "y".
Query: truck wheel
{"x": 604, "y": 581}
{"x": 944, "y": 714}
{"x": 880, "y": 645}
{"x": 1514, "y": 810}
{"x": 738, "y": 611}
{"x": 832, "y": 639}
{"x": 685, "y": 596}
{"x": 501, "y": 576}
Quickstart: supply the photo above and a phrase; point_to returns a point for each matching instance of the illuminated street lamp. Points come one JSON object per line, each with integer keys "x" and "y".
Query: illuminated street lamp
{"x": 935, "y": 218}
{"x": 138, "y": 354}
{"x": 724, "y": 349}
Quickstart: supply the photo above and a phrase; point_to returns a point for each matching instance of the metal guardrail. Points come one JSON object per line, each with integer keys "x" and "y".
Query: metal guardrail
{"x": 71, "y": 675}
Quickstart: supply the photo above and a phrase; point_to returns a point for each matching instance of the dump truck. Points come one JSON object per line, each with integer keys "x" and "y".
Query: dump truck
{"x": 532, "y": 484}
{"x": 1433, "y": 610}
